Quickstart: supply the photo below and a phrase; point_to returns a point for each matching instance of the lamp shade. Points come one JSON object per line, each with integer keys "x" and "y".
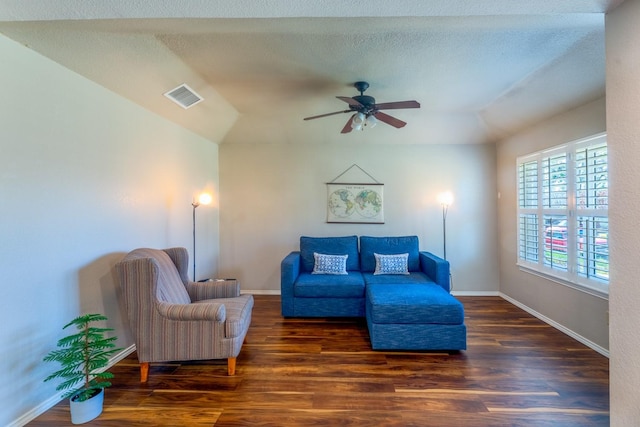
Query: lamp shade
{"x": 371, "y": 121}
{"x": 358, "y": 121}
{"x": 205, "y": 198}
{"x": 446, "y": 198}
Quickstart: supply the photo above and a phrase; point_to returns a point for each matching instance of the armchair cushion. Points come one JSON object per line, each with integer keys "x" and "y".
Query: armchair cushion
{"x": 238, "y": 315}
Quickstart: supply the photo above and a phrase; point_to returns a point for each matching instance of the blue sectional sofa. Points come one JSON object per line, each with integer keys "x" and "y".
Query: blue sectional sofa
{"x": 403, "y": 292}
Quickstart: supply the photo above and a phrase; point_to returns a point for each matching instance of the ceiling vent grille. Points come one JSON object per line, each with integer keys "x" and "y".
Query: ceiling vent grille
{"x": 184, "y": 96}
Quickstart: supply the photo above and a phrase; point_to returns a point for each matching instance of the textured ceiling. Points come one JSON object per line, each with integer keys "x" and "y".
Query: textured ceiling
{"x": 480, "y": 72}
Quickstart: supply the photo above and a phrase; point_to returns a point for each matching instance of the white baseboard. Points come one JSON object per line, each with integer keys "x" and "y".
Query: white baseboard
{"x": 54, "y": 400}
{"x": 475, "y": 293}
{"x": 260, "y": 291}
{"x": 603, "y": 351}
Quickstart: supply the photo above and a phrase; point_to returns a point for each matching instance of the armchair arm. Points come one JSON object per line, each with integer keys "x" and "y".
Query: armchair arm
{"x": 436, "y": 268}
{"x": 289, "y": 271}
{"x": 199, "y": 291}
{"x": 210, "y": 311}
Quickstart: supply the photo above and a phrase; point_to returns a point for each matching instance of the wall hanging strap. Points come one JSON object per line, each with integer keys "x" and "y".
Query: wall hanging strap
{"x": 351, "y": 167}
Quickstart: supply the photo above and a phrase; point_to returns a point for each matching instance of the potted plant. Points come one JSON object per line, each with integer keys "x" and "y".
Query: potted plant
{"x": 83, "y": 357}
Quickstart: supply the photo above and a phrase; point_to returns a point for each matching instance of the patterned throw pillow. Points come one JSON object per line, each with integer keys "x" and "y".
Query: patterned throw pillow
{"x": 391, "y": 264}
{"x": 329, "y": 264}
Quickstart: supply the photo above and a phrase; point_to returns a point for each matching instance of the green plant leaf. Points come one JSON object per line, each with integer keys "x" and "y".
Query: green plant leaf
{"x": 81, "y": 356}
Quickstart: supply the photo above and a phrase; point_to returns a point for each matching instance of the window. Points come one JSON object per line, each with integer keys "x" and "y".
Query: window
{"x": 563, "y": 221}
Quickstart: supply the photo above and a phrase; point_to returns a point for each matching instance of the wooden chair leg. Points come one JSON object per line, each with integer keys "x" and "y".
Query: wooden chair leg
{"x": 231, "y": 366}
{"x": 144, "y": 372}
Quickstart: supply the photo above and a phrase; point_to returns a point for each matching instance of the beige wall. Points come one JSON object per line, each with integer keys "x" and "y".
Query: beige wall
{"x": 581, "y": 313}
{"x": 85, "y": 176}
{"x": 623, "y": 125}
{"x": 271, "y": 194}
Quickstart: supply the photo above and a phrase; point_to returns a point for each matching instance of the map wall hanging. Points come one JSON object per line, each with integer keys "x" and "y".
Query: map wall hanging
{"x": 355, "y": 203}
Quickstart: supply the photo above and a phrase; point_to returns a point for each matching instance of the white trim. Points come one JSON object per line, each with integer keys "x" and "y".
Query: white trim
{"x": 603, "y": 351}
{"x": 34, "y": 413}
{"x": 476, "y": 293}
{"x": 260, "y": 291}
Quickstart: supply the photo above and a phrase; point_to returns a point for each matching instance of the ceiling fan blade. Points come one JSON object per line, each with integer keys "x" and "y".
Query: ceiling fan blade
{"x": 347, "y": 128}
{"x": 325, "y": 115}
{"x": 350, "y": 101}
{"x": 389, "y": 120}
{"x": 397, "y": 105}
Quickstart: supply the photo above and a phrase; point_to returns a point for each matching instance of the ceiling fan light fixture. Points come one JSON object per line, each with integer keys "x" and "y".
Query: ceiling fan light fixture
{"x": 358, "y": 121}
{"x": 371, "y": 121}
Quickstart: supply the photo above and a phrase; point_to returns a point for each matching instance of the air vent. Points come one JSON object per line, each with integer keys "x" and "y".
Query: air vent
{"x": 184, "y": 96}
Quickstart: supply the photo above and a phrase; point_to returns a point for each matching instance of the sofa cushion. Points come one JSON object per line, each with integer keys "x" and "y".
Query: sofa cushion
{"x": 329, "y": 264}
{"x": 391, "y": 264}
{"x": 388, "y": 246}
{"x": 415, "y": 277}
{"x": 347, "y": 245}
{"x": 312, "y": 285}
{"x": 412, "y": 304}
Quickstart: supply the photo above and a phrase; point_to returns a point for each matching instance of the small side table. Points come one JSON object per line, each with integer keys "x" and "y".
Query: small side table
{"x": 217, "y": 280}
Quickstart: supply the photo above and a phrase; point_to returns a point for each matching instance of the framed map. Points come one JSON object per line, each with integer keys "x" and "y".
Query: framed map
{"x": 355, "y": 203}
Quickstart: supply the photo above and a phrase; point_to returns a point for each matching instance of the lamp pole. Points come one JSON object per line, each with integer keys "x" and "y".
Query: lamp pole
{"x": 195, "y": 204}
{"x": 445, "y": 209}
{"x": 445, "y": 200}
{"x": 203, "y": 199}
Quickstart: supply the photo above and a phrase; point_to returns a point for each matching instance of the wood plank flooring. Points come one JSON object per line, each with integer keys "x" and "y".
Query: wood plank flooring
{"x": 517, "y": 371}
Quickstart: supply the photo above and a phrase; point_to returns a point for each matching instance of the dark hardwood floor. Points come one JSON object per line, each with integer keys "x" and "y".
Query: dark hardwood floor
{"x": 517, "y": 371}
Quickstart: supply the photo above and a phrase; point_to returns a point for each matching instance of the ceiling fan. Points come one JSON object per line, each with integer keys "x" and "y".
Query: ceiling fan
{"x": 366, "y": 112}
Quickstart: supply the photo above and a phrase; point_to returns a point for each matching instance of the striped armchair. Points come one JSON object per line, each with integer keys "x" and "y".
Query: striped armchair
{"x": 172, "y": 318}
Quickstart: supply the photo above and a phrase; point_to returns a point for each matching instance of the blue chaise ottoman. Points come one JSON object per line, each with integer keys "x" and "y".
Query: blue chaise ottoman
{"x": 414, "y": 317}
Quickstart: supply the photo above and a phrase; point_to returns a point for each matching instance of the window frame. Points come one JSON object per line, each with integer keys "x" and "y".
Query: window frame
{"x": 578, "y": 268}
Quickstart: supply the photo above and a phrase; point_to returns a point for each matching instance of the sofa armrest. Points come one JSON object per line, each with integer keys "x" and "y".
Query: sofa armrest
{"x": 289, "y": 272}
{"x": 436, "y": 268}
{"x": 199, "y": 291}
{"x": 212, "y": 311}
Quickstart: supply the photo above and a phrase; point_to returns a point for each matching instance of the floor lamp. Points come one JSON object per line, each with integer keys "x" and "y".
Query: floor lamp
{"x": 445, "y": 199}
{"x": 203, "y": 199}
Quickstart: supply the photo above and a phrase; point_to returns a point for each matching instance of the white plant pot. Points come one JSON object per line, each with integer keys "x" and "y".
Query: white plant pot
{"x": 82, "y": 412}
